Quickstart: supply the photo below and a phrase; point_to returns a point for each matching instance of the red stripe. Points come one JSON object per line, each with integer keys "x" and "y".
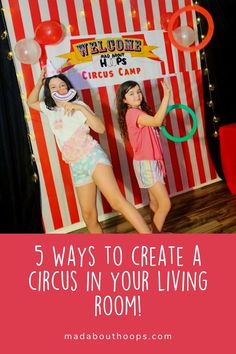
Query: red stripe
{"x": 36, "y": 122}
{"x": 87, "y": 98}
{"x": 196, "y": 141}
{"x": 162, "y": 7}
{"x": 172, "y": 149}
{"x": 112, "y": 139}
{"x": 163, "y": 68}
{"x": 53, "y": 10}
{"x": 35, "y": 13}
{"x": 149, "y": 95}
{"x": 201, "y": 100}
{"x": 89, "y": 17}
{"x": 72, "y": 16}
{"x": 169, "y": 54}
{"x": 16, "y": 19}
{"x": 105, "y": 18}
{"x": 149, "y": 15}
{"x": 135, "y": 15}
{"x": 120, "y": 15}
{"x": 182, "y": 131}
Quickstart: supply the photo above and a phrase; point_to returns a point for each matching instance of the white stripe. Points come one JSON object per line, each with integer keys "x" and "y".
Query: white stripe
{"x": 81, "y": 19}
{"x": 156, "y": 14}
{"x": 44, "y": 10}
{"x": 142, "y": 16}
{"x": 113, "y": 16}
{"x": 63, "y": 15}
{"x": 169, "y": 7}
{"x": 128, "y": 16}
{"x": 97, "y": 16}
{"x": 26, "y": 19}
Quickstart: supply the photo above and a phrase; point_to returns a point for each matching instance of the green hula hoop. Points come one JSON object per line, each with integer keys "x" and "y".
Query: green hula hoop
{"x": 192, "y": 131}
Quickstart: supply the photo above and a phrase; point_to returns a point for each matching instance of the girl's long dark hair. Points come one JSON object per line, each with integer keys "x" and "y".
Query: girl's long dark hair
{"x": 122, "y": 107}
{"x": 49, "y": 101}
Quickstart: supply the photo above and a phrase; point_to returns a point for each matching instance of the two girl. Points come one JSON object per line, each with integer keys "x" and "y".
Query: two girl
{"x": 140, "y": 127}
{"x": 71, "y": 120}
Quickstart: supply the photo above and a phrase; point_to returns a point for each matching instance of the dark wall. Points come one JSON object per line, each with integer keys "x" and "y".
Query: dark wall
{"x": 221, "y": 64}
{"x": 20, "y": 207}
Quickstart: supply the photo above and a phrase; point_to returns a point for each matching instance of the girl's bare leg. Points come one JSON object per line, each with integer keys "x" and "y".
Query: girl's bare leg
{"x": 104, "y": 178}
{"x": 87, "y": 199}
{"x": 159, "y": 204}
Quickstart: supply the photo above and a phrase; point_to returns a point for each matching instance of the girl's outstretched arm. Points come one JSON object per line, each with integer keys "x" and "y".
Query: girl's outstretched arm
{"x": 33, "y": 99}
{"x": 157, "y": 119}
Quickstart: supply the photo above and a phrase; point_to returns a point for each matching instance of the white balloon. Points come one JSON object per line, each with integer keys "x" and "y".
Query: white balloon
{"x": 184, "y": 35}
{"x": 28, "y": 51}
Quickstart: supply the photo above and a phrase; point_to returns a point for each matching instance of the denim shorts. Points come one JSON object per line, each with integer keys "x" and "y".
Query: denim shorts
{"x": 148, "y": 173}
{"x": 83, "y": 169}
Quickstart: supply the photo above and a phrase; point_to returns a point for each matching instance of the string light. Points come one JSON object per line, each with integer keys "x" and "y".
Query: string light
{"x": 19, "y": 75}
{"x": 211, "y": 87}
{"x": 215, "y": 134}
{"x": 27, "y": 117}
{"x": 216, "y": 119}
{"x": 4, "y": 35}
{"x": 210, "y": 103}
{"x": 35, "y": 177}
{"x": 33, "y": 158}
{"x": 9, "y": 55}
{"x": 69, "y": 28}
{"x": 202, "y": 56}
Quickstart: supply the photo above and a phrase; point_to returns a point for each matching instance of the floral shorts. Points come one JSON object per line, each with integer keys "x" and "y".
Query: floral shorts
{"x": 148, "y": 173}
{"x": 83, "y": 169}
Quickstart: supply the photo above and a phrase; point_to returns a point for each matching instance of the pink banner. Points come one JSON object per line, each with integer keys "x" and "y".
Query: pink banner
{"x": 118, "y": 293}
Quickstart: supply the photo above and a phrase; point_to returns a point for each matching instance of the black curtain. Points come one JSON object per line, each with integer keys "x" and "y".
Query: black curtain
{"x": 221, "y": 64}
{"x": 20, "y": 205}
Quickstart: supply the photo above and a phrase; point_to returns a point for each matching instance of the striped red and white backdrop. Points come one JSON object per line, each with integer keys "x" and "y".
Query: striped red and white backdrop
{"x": 188, "y": 164}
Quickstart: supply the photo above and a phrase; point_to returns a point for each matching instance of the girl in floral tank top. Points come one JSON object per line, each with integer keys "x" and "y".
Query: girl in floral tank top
{"x": 71, "y": 120}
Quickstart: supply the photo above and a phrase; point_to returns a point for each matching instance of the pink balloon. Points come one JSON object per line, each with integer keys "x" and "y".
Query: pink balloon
{"x": 184, "y": 35}
{"x": 28, "y": 51}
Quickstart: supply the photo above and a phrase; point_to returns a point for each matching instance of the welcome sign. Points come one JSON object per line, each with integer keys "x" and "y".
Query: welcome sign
{"x": 105, "y": 60}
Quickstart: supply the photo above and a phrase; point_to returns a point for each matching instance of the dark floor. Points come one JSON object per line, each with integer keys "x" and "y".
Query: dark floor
{"x": 210, "y": 209}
